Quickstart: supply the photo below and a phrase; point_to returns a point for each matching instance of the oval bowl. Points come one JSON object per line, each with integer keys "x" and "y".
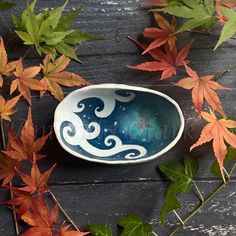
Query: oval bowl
{"x": 118, "y": 124}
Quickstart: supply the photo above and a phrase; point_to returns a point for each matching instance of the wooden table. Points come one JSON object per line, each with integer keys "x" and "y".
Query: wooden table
{"x": 96, "y": 193}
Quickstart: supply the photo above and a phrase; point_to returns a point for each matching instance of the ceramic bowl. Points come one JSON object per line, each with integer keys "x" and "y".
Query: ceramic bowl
{"x": 118, "y": 124}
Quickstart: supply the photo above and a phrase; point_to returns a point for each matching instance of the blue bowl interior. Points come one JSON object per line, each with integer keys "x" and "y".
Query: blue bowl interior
{"x": 148, "y": 120}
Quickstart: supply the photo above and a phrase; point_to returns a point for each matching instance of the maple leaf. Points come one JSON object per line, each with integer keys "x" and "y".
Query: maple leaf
{"x": 198, "y": 13}
{"x": 25, "y": 146}
{"x": 36, "y": 181}
{"x": 64, "y": 231}
{"x": 25, "y": 80}
{"x": 54, "y": 76}
{"x": 6, "y": 107}
{"x": 7, "y": 168}
{"x": 230, "y": 26}
{"x": 164, "y": 34}
{"x": 5, "y": 67}
{"x": 202, "y": 88}
{"x": 217, "y": 130}
{"x": 23, "y": 199}
{"x": 166, "y": 61}
{"x": 41, "y": 218}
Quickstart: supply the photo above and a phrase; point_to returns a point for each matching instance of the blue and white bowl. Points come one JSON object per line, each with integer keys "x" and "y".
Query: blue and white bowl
{"x": 118, "y": 124}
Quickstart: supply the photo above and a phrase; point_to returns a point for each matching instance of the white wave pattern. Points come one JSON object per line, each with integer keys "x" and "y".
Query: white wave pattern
{"x": 81, "y": 136}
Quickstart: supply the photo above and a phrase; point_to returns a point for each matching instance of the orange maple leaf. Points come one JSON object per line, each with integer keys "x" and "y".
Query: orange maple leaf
{"x": 217, "y": 130}
{"x": 6, "y": 107}
{"x": 164, "y": 34}
{"x": 54, "y": 76}
{"x": 7, "y": 168}
{"x": 41, "y": 218}
{"x": 36, "y": 181}
{"x": 25, "y": 80}
{"x": 5, "y": 67}
{"x": 202, "y": 88}
{"x": 25, "y": 146}
{"x": 166, "y": 61}
{"x": 23, "y": 200}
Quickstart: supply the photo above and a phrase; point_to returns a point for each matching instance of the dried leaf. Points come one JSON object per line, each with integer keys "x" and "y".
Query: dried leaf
{"x": 54, "y": 76}
{"x": 25, "y": 80}
{"x": 8, "y": 168}
{"x": 162, "y": 35}
{"x": 36, "y": 181}
{"x": 217, "y": 131}
{"x": 167, "y": 61}
{"x": 7, "y": 107}
{"x": 25, "y": 146}
{"x": 5, "y": 67}
{"x": 202, "y": 88}
{"x": 41, "y": 218}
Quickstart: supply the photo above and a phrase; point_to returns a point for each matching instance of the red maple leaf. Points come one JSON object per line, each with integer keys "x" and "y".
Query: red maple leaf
{"x": 202, "y": 88}
{"x": 25, "y": 146}
{"x": 36, "y": 181}
{"x": 217, "y": 130}
{"x": 23, "y": 200}
{"x": 164, "y": 34}
{"x": 41, "y": 218}
{"x": 7, "y": 168}
{"x": 65, "y": 231}
{"x": 167, "y": 61}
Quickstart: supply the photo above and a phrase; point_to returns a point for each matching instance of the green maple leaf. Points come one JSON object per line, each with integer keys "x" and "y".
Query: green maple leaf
{"x": 49, "y": 32}
{"x": 134, "y": 226}
{"x": 182, "y": 178}
{"x": 199, "y": 13}
{"x": 4, "y": 5}
{"x": 229, "y": 27}
{"x": 231, "y": 156}
{"x": 100, "y": 230}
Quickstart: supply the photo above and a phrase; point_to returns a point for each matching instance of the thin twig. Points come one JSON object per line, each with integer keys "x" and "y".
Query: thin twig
{"x": 198, "y": 191}
{"x": 206, "y": 33}
{"x": 226, "y": 172}
{"x": 26, "y": 53}
{"x": 154, "y": 233}
{"x": 220, "y": 75}
{"x": 63, "y": 211}
{"x": 177, "y": 215}
{"x": 11, "y": 194}
{"x": 207, "y": 200}
{"x": 5, "y": 23}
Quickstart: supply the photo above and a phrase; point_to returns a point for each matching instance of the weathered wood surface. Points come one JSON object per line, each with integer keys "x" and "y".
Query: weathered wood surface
{"x": 95, "y": 193}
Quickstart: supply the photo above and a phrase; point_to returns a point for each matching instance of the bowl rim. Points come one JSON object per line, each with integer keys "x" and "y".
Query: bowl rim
{"x": 127, "y": 87}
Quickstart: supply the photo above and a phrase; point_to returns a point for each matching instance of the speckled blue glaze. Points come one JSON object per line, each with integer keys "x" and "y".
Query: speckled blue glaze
{"x": 128, "y": 124}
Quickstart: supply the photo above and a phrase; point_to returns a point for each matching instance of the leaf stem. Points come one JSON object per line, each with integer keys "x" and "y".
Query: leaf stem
{"x": 154, "y": 233}
{"x": 11, "y": 194}
{"x": 226, "y": 172}
{"x": 177, "y": 215}
{"x": 63, "y": 211}
{"x": 207, "y": 200}
{"x": 198, "y": 191}
{"x": 206, "y": 33}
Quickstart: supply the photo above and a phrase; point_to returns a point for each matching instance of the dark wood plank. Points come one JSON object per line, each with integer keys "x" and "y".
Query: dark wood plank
{"x": 89, "y": 204}
{"x": 6, "y": 220}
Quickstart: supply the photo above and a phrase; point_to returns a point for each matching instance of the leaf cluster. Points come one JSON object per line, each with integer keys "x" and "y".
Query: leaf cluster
{"x": 132, "y": 225}
{"x": 50, "y": 32}
{"x": 201, "y": 13}
{"x": 182, "y": 178}
{"x": 51, "y": 79}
